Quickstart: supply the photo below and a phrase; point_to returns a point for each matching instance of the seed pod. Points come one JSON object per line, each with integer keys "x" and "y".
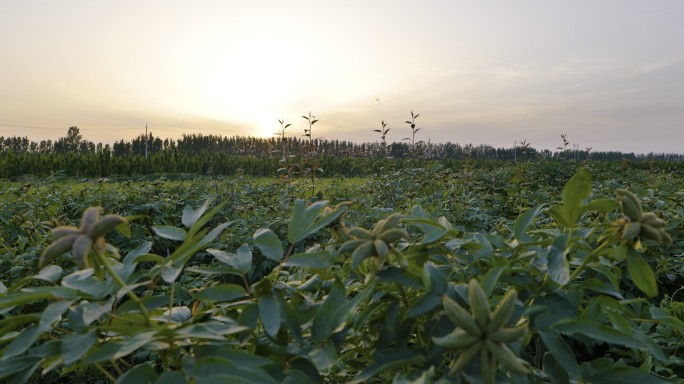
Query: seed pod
{"x": 81, "y": 249}
{"x": 56, "y": 248}
{"x": 351, "y": 245}
{"x": 506, "y": 357}
{"x": 390, "y": 222}
{"x": 365, "y": 250}
{"x": 631, "y": 206}
{"x": 503, "y": 311}
{"x": 381, "y": 248}
{"x": 89, "y": 218}
{"x": 457, "y": 339}
{"x": 360, "y": 233}
{"x": 650, "y": 218}
{"x": 648, "y": 232}
{"x": 630, "y": 230}
{"x": 394, "y": 234}
{"x": 487, "y": 367}
{"x": 105, "y": 225}
{"x": 312, "y": 285}
{"x": 59, "y": 232}
{"x": 460, "y": 317}
{"x": 506, "y": 335}
{"x": 667, "y": 239}
{"x": 464, "y": 358}
{"x": 479, "y": 305}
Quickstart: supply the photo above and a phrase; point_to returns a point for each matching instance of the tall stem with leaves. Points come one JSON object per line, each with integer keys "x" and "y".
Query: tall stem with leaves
{"x": 383, "y": 136}
{"x": 283, "y": 139}
{"x": 564, "y": 148}
{"x": 412, "y": 139}
{"x": 311, "y": 157}
{"x": 287, "y": 168}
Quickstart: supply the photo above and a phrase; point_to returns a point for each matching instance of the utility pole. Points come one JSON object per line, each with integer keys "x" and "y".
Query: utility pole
{"x": 145, "y": 141}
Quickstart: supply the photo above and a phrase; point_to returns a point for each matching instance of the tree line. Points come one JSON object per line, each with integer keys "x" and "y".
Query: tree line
{"x": 206, "y": 154}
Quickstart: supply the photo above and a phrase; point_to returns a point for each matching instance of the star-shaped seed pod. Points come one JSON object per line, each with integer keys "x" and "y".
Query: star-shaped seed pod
{"x": 637, "y": 224}
{"x": 81, "y": 241}
{"x": 484, "y": 332}
{"x": 376, "y": 243}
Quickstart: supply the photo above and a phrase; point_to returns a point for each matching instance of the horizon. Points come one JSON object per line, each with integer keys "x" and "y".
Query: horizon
{"x": 608, "y": 75}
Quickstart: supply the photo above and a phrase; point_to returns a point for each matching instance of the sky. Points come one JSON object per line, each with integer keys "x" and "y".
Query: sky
{"x": 608, "y": 74}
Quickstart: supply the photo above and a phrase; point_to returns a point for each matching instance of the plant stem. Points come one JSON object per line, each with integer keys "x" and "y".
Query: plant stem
{"x": 104, "y": 372}
{"x": 119, "y": 280}
{"x": 116, "y": 367}
{"x": 587, "y": 259}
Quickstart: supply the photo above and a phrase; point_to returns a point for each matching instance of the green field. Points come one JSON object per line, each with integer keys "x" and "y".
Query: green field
{"x": 473, "y": 271}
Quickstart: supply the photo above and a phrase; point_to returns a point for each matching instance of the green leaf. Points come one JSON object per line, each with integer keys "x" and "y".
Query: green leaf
{"x": 560, "y": 350}
{"x": 140, "y": 374}
{"x": 212, "y": 330}
{"x": 523, "y": 222}
{"x": 53, "y": 313}
{"x": 328, "y": 316}
{"x": 169, "y": 232}
{"x": 387, "y": 360}
{"x": 202, "y": 221}
{"x": 290, "y": 318}
{"x": 50, "y": 291}
{"x": 305, "y": 221}
{"x": 220, "y": 293}
{"x": 170, "y": 272}
{"x": 602, "y": 205}
{"x": 332, "y": 315}
{"x": 22, "y": 342}
{"x": 19, "y": 364}
{"x": 237, "y": 357}
{"x": 269, "y": 311}
{"x": 269, "y": 244}
{"x": 191, "y": 246}
{"x": 432, "y": 229}
{"x": 124, "y": 229}
{"x": 50, "y": 273}
{"x": 425, "y": 304}
{"x": 557, "y": 264}
{"x": 553, "y": 370}
{"x": 491, "y": 278}
{"x": 76, "y": 345}
{"x": 215, "y": 370}
{"x": 215, "y": 271}
{"x": 84, "y": 282}
{"x": 135, "y": 255}
{"x": 323, "y": 357}
{"x": 190, "y": 216}
{"x": 434, "y": 279}
{"x": 641, "y": 273}
{"x": 316, "y": 260}
{"x": 114, "y": 350}
{"x": 623, "y": 375}
{"x": 601, "y": 332}
{"x": 399, "y": 276}
{"x": 242, "y": 261}
{"x": 560, "y": 215}
{"x": 249, "y": 316}
{"x": 171, "y": 377}
{"x": 576, "y": 190}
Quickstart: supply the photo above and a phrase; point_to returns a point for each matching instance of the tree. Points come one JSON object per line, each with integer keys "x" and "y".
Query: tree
{"x": 73, "y": 139}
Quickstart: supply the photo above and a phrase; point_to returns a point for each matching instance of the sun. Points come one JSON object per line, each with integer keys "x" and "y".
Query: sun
{"x": 267, "y": 128}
